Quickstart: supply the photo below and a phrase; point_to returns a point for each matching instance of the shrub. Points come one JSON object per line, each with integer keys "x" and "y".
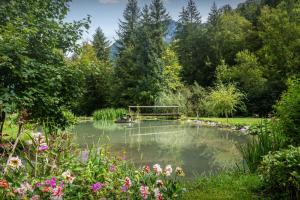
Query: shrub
{"x": 224, "y": 100}
{"x": 109, "y": 114}
{"x": 264, "y": 139}
{"x": 280, "y": 171}
{"x": 288, "y": 111}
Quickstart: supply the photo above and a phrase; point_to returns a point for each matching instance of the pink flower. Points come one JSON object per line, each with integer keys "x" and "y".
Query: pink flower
{"x": 144, "y": 191}
{"x": 147, "y": 168}
{"x": 97, "y": 186}
{"x": 35, "y": 197}
{"x": 51, "y": 182}
{"x": 157, "y": 194}
{"x": 57, "y": 193}
{"x": 127, "y": 182}
{"x": 37, "y": 185}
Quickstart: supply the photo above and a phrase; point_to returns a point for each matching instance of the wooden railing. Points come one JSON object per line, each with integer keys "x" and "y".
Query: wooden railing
{"x": 138, "y": 112}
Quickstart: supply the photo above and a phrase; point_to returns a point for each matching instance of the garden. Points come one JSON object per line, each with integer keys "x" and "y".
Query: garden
{"x": 233, "y": 78}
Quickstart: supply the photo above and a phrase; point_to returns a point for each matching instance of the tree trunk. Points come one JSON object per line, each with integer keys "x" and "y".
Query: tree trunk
{"x": 2, "y": 120}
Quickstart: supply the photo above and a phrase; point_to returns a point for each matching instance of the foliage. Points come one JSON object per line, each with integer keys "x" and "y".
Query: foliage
{"x": 97, "y": 79}
{"x": 279, "y": 30}
{"x": 171, "y": 70}
{"x": 280, "y": 172}
{"x": 224, "y": 100}
{"x": 288, "y": 111}
{"x": 226, "y": 185}
{"x": 109, "y": 114}
{"x": 174, "y": 99}
{"x": 265, "y": 139}
{"x": 232, "y": 32}
{"x": 33, "y": 39}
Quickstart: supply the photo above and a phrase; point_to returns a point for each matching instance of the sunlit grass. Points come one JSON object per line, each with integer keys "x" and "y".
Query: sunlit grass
{"x": 224, "y": 186}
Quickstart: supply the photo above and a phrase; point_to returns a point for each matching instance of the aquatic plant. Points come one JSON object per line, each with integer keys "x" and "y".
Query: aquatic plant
{"x": 109, "y": 114}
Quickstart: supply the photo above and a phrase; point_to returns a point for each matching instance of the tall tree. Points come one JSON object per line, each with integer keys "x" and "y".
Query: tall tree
{"x": 279, "y": 30}
{"x": 101, "y": 45}
{"x": 213, "y": 15}
{"x": 159, "y": 18}
{"x": 97, "y": 81}
{"x": 190, "y": 42}
{"x": 128, "y": 26}
{"x": 148, "y": 53}
{"x": 190, "y": 14}
{"x": 125, "y": 62}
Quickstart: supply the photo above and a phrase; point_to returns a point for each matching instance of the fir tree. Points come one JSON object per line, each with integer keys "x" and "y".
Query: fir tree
{"x": 125, "y": 70}
{"x": 159, "y": 19}
{"x": 213, "y": 15}
{"x": 193, "y": 13}
{"x": 128, "y": 26}
{"x": 101, "y": 45}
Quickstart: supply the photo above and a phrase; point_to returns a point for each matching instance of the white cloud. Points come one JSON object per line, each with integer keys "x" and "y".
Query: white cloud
{"x": 110, "y": 1}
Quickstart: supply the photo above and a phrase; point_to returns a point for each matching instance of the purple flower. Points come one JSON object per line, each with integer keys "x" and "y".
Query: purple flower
{"x": 97, "y": 186}
{"x": 112, "y": 168}
{"x": 51, "y": 182}
{"x": 43, "y": 147}
{"x": 124, "y": 188}
{"x": 38, "y": 185}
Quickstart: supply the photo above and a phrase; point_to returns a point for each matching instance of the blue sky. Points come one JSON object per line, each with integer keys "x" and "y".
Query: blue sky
{"x": 106, "y": 13}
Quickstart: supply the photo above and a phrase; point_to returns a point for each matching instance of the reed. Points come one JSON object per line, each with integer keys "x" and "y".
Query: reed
{"x": 109, "y": 114}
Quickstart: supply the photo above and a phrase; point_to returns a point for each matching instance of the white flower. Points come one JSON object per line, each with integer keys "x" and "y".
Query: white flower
{"x": 179, "y": 171}
{"x": 157, "y": 169}
{"x": 68, "y": 176}
{"x": 168, "y": 170}
{"x": 38, "y": 138}
{"x": 14, "y": 163}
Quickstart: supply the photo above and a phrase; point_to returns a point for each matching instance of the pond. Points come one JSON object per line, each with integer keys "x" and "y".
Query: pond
{"x": 195, "y": 148}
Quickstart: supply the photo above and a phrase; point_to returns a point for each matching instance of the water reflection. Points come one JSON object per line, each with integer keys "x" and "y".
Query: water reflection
{"x": 197, "y": 149}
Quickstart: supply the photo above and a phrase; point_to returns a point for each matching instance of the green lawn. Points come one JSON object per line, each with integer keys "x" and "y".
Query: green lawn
{"x": 224, "y": 186}
{"x": 234, "y": 121}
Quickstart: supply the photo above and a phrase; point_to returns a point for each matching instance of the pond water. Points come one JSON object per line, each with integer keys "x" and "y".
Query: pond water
{"x": 195, "y": 148}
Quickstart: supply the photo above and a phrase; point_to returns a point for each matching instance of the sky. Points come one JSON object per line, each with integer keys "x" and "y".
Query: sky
{"x": 107, "y": 13}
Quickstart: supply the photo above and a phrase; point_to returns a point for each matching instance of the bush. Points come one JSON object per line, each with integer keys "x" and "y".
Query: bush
{"x": 224, "y": 100}
{"x": 264, "y": 139}
{"x": 109, "y": 114}
{"x": 281, "y": 172}
{"x": 288, "y": 111}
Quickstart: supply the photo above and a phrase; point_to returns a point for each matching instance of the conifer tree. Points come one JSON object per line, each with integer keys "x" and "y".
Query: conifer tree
{"x": 159, "y": 19}
{"x": 128, "y": 26}
{"x": 101, "y": 45}
{"x": 125, "y": 70}
{"x": 213, "y": 15}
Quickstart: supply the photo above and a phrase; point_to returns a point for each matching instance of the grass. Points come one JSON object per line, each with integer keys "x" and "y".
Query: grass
{"x": 234, "y": 121}
{"x": 227, "y": 185}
